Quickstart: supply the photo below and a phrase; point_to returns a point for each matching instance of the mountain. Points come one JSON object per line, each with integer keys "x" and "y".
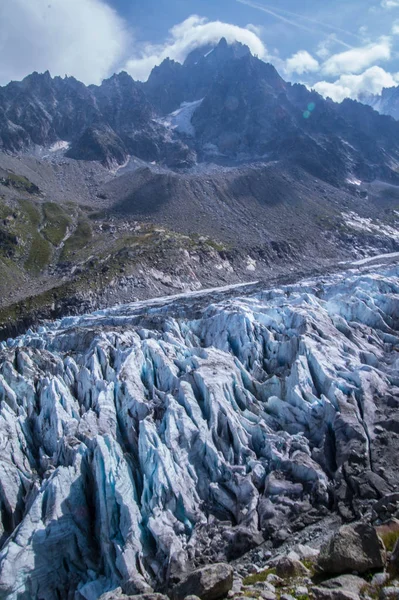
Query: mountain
{"x": 213, "y": 171}
{"x": 244, "y": 111}
{"x": 386, "y": 103}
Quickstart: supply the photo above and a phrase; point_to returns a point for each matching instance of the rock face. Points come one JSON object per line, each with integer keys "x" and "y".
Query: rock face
{"x": 138, "y": 443}
{"x": 210, "y": 583}
{"x": 353, "y": 548}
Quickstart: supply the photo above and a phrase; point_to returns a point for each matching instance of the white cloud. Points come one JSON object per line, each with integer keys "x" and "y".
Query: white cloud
{"x": 185, "y": 37}
{"x": 372, "y": 81}
{"x": 357, "y": 59}
{"x": 302, "y": 62}
{"x": 256, "y": 29}
{"x": 388, "y": 4}
{"x": 84, "y": 38}
{"x": 395, "y": 28}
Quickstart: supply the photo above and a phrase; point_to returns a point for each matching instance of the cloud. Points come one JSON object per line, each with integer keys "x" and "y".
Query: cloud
{"x": 84, "y": 38}
{"x": 192, "y": 33}
{"x": 302, "y": 62}
{"x": 357, "y": 59}
{"x": 395, "y": 28}
{"x": 388, "y": 4}
{"x": 324, "y": 48}
{"x": 372, "y": 81}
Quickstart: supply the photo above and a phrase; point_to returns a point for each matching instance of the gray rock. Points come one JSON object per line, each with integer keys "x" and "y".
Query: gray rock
{"x": 350, "y": 583}
{"x": 301, "y": 590}
{"x": 389, "y": 593}
{"x": 209, "y": 583}
{"x": 274, "y": 580}
{"x": 192, "y": 597}
{"x": 306, "y": 552}
{"x": 380, "y": 579}
{"x": 322, "y": 593}
{"x": 288, "y": 567}
{"x": 267, "y": 595}
{"x": 352, "y": 548}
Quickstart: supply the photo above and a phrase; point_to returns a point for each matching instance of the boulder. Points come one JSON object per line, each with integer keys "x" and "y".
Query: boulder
{"x": 352, "y": 548}
{"x": 209, "y": 583}
{"x": 348, "y": 583}
{"x": 288, "y": 567}
{"x": 322, "y": 593}
{"x": 389, "y": 593}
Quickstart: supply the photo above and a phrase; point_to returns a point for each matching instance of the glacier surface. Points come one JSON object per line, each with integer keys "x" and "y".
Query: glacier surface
{"x": 140, "y": 441}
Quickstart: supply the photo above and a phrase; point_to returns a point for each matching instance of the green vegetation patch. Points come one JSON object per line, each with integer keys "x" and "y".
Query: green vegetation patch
{"x": 39, "y": 254}
{"x": 389, "y": 538}
{"x": 31, "y": 211}
{"x": 78, "y": 240}
{"x": 56, "y": 223}
{"x": 19, "y": 182}
{"x": 258, "y": 577}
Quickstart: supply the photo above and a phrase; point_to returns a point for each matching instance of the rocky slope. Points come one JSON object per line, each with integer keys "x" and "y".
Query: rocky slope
{"x": 140, "y": 442}
{"x": 76, "y": 237}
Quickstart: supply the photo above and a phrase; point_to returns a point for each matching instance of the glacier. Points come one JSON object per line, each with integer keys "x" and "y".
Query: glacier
{"x": 139, "y": 442}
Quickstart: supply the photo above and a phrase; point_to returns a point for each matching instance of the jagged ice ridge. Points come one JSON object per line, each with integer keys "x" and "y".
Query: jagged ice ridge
{"x": 134, "y": 444}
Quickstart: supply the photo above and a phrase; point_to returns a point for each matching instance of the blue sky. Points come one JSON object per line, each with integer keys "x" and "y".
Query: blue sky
{"x": 340, "y": 47}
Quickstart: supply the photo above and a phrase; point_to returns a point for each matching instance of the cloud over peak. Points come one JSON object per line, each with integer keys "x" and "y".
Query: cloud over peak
{"x": 185, "y": 37}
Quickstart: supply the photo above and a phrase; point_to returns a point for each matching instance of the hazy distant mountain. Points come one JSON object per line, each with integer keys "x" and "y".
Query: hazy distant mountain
{"x": 386, "y": 103}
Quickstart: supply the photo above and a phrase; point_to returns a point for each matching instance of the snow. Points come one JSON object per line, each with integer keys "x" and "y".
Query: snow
{"x": 60, "y": 145}
{"x": 369, "y": 259}
{"x": 135, "y": 438}
{"x": 355, "y": 221}
{"x": 180, "y": 119}
{"x": 354, "y": 181}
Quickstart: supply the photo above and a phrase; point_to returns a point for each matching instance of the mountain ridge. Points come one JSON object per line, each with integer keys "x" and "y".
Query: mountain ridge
{"x": 248, "y": 112}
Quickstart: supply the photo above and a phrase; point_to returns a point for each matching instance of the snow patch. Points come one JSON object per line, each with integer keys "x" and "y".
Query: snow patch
{"x": 60, "y": 145}
{"x": 354, "y": 181}
{"x": 180, "y": 119}
{"x": 251, "y": 264}
{"x": 355, "y": 221}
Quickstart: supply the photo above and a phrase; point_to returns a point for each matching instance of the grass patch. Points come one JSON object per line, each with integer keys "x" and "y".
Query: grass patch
{"x": 258, "y": 577}
{"x": 31, "y": 211}
{"x": 39, "y": 254}
{"x": 310, "y": 564}
{"x": 389, "y": 538}
{"x": 19, "y": 182}
{"x": 78, "y": 240}
{"x": 56, "y": 223}
{"x": 216, "y": 246}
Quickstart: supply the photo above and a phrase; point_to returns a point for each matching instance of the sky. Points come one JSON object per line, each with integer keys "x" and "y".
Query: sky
{"x": 341, "y": 48}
